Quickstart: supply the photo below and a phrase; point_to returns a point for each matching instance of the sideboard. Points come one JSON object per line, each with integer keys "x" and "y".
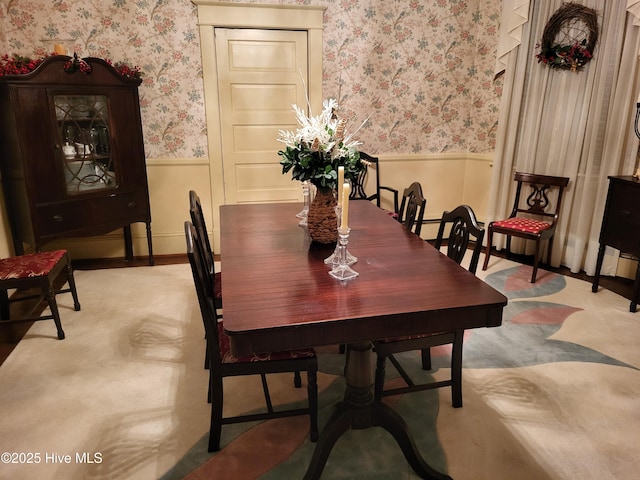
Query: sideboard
{"x": 621, "y": 227}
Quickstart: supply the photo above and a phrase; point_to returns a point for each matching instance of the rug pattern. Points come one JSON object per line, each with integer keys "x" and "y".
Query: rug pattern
{"x": 550, "y": 394}
{"x": 525, "y": 339}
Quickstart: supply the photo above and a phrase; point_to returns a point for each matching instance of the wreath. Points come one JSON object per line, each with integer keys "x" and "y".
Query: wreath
{"x": 569, "y": 37}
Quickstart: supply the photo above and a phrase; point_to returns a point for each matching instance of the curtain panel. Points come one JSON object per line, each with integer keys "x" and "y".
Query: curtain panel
{"x": 564, "y": 123}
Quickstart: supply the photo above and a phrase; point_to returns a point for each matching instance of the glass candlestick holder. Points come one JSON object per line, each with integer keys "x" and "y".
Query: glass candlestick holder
{"x": 342, "y": 270}
{"x": 334, "y": 258}
{"x": 302, "y": 215}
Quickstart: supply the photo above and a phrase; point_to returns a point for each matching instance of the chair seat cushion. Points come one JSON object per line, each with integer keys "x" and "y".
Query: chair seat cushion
{"x": 406, "y": 337}
{"x": 30, "y": 265}
{"x": 225, "y": 352}
{"x": 527, "y": 225}
{"x": 391, "y": 213}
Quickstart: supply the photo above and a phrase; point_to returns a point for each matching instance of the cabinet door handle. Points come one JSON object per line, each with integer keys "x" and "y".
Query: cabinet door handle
{"x": 57, "y": 218}
{"x": 625, "y": 213}
{"x": 131, "y": 204}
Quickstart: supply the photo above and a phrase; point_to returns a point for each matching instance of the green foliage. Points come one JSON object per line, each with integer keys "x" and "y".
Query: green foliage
{"x": 318, "y": 167}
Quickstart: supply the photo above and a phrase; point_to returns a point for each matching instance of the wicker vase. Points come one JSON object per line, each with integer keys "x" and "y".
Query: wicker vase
{"x": 321, "y": 219}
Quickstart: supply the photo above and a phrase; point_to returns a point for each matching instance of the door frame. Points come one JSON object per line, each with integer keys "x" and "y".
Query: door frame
{"x": 212, "y": 15}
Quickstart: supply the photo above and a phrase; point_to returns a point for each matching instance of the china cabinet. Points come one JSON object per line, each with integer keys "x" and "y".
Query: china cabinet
{"x": 72, "y": 153}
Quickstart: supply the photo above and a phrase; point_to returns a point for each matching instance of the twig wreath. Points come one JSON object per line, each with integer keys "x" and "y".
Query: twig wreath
{"x": 569, "y": 37}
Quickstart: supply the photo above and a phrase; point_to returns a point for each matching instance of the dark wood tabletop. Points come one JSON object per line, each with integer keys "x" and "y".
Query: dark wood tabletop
{"x": 279, "y": 295}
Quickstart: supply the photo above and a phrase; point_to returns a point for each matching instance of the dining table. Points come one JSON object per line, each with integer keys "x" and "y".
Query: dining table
{"x": 279, "y": 295}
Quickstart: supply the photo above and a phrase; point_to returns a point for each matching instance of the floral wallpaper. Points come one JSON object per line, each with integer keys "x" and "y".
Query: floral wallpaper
{"x": 423, "y": 69}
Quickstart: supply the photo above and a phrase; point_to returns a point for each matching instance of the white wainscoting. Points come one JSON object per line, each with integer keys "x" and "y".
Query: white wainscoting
{"x": 447, "y": 179}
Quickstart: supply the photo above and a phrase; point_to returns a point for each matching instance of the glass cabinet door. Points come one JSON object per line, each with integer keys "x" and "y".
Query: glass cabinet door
{"x": 83, "y": 123}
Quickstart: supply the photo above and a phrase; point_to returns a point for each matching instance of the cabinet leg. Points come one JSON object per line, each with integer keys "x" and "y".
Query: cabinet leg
{"x": 596, "y": 278}
{"x": 150, "y": 244}
{"x": 636, "y": 291}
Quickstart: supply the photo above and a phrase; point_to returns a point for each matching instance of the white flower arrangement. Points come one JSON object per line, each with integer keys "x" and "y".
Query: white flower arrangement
{"x": 315, "y": 150}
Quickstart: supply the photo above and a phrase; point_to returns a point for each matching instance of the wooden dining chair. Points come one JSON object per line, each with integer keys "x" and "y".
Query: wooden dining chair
{"x": 214, "y": 285}
{"x": 464, "y": 229}
{"x": 223, "y": 364}
{"x": 197, "y": 218}
{"x": 411, "y": 212}
{"x": 358, "y": 189}
{"x": 533, "y": 217}
{"x": 36, "y": 271}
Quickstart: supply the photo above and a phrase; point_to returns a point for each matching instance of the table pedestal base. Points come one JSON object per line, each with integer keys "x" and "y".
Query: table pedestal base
{"x": 359, "y": 411}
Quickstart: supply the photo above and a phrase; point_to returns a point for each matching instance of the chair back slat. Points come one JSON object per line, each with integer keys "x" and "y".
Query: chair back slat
{"x": 206, "y": 254}
{"x": 205, "y": 300}
{"x": 411, "y": 213}
{"x": 464, "y": 228}
{"x": 358, "y": 188}
{"x": 537, "y": 201}
{"x": 358, "y": 191}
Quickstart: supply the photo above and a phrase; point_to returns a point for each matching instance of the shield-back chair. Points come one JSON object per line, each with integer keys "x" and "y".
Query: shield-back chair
{"x": 533, "y": 217}
{"x": 411, "y": 212}
{"x": 464, "y": 228}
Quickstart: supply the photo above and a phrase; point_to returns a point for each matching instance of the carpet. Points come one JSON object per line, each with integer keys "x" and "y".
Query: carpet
{"x": 551, "y": 394}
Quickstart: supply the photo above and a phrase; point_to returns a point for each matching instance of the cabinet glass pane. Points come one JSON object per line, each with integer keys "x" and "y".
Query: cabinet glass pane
{"x": 83, "y": 123}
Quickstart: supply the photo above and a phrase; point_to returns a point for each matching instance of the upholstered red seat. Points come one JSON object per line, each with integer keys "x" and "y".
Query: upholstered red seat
{"x": 527, "y": 225}
{"x": 30, "y": 265}
{"x": 227, "y": 357}
{"x": 403, "y": 338}
{"x": 36, "y": 270}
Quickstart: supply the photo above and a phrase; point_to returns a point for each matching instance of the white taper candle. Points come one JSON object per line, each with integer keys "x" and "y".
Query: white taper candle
{"x": 340, "y": 184}
{"x": 346, "y": 190}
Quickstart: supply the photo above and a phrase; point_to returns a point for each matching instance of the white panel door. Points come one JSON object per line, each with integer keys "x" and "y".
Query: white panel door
{"x": 261, "y": 73}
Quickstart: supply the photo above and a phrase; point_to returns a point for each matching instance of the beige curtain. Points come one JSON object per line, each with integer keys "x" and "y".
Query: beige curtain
{"x": 571, "y": 124}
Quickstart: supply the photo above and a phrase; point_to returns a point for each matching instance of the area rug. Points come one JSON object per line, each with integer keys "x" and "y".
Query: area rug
{"x": 551, "y": 394}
